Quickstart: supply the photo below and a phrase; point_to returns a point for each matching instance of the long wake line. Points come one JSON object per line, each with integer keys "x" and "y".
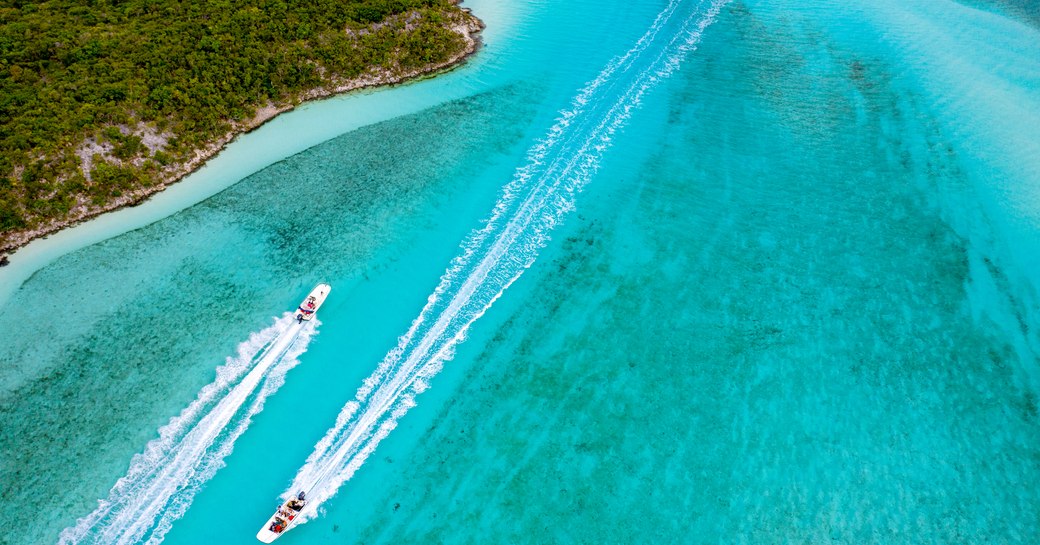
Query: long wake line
{"x": 538, "y": 197}
{"x": 163, "y": 480}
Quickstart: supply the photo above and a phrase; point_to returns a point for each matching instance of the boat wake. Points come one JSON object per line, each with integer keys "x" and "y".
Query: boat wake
{"x": 162, "y": 481}
{"x": 493, "y": 257}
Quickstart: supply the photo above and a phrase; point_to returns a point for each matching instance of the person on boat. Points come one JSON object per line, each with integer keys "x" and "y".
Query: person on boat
{"x": 278, "y": 525}
{"x": 295, "y": 505}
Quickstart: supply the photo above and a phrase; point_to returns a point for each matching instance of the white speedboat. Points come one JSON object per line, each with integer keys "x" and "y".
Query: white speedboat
{"x": 282, "y": 519}
{"x": 313, "y": 302}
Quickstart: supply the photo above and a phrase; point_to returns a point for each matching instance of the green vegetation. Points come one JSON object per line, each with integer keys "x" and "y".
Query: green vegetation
{"x": 128, "y": 88}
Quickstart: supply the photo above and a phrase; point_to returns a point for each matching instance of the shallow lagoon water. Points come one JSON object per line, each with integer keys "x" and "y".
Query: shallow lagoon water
{"x": 787, "y": 308}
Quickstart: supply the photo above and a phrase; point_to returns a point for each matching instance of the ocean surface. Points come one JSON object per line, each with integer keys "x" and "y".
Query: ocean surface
{"x": 671, "y": 271}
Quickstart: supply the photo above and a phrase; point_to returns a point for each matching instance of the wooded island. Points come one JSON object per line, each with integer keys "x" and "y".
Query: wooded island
{"x": 104, "y": 102}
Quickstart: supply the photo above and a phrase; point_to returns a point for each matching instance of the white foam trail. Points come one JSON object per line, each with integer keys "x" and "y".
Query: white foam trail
{"x": 162, "y": 481}
{"x": 495, "y": 256}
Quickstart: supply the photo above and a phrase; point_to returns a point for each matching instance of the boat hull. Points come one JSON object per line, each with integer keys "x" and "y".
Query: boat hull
{"x": 310, "y": 305}
{"x": 267, "y": 535}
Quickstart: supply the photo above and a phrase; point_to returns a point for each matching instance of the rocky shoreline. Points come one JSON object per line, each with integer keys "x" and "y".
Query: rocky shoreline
{"x": 469, "y": 29}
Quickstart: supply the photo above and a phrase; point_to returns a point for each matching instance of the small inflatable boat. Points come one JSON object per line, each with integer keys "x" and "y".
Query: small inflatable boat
{"x": 313, "y": 302}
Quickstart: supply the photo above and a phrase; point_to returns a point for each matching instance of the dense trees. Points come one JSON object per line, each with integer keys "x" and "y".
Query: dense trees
{"x": 97, "y": 97}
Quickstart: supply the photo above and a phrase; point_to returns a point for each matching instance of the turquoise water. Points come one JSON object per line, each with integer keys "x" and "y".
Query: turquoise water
{"x": 796, "y": 300}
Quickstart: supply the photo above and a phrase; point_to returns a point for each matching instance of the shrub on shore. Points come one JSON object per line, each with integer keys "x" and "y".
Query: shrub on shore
{"x": 100, "y": 99}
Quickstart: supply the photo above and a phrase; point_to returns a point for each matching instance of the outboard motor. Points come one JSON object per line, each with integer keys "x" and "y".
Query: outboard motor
{"x": 300, "y": 496}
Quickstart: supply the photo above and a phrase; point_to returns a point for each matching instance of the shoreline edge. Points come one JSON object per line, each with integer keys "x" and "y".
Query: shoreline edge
{"x": 469, "y": 29}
